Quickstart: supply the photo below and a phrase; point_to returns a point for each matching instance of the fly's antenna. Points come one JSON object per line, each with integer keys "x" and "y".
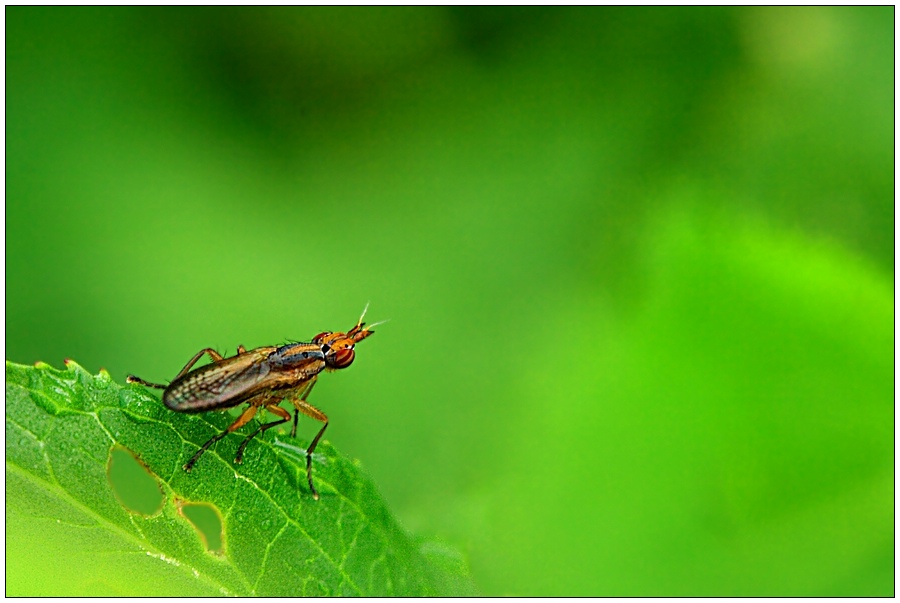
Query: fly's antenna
{"x": 363, "y": 315}
{"x": 360, "y": 332}
{"x": 375, "y": 324}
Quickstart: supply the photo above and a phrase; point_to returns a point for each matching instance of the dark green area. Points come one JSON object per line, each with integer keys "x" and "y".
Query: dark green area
{"x": 638, "y": 262}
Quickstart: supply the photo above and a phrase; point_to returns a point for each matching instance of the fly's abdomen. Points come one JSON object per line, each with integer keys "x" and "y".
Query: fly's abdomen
{"x": 214, "y": 387}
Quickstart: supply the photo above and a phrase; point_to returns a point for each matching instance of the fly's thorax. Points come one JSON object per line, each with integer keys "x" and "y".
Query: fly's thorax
{"x": 296, "y": 356}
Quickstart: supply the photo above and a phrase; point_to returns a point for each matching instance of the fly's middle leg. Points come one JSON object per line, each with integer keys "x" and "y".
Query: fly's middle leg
{"x": 240, "y": 422}
{"x": 275, "y": 410}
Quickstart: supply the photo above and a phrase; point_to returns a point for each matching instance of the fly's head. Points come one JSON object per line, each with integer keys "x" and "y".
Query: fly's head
{"x": 338, "y": 347}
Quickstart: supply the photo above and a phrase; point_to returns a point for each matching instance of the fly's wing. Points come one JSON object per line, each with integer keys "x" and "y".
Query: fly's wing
{"x": 220, "y": 385}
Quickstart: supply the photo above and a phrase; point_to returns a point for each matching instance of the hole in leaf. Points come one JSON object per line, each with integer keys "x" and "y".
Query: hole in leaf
{"x": 133, "y": 484}
{"x": 207, "y": 521}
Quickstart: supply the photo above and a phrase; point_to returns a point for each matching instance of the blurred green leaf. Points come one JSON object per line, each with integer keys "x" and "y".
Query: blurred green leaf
{"x": 61, "y": 430}
{"x": 639, "y": 264}
{"x": 732, "y": 436}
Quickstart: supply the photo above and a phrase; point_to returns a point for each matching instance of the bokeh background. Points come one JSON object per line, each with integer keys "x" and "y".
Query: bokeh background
{"x": 638, "y": 263}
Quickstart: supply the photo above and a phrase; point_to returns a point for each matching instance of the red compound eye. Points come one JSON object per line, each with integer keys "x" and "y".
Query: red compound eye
{"x": 343, "y": 358}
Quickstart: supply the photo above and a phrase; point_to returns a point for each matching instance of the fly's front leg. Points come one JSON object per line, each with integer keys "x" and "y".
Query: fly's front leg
{"x": 311, "y": 411}
{"x": 303, "y": 395}
{"x": 212, "y": 354}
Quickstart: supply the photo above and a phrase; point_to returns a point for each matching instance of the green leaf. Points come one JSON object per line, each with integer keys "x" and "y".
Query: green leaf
{"x": 69, "y": 534}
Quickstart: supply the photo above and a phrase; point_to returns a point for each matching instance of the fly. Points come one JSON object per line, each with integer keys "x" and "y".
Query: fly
{"x": 262, "y": 378}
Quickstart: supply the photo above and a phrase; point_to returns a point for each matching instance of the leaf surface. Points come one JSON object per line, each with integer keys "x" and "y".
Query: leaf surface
{"x": 61, "y": 428}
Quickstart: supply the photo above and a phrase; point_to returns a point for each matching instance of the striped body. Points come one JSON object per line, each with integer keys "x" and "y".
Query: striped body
{"x": 231, "y": 381}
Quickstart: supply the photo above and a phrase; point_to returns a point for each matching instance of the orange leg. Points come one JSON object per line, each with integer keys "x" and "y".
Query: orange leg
{"x": 212, "y": 354}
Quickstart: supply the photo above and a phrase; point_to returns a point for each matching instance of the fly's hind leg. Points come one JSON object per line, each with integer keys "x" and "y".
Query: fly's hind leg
{"x": 275, "y": 410}
{"x": 212, "y": 354}
{"x": 240, "y": 422}
{"x": 135, "y": 379}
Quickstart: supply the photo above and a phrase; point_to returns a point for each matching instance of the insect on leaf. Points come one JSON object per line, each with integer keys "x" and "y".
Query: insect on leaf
{"x": 62, "y": 430}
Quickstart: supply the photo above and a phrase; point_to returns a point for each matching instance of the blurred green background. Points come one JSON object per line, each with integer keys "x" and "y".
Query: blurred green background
{"x": 638, "y": 263}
